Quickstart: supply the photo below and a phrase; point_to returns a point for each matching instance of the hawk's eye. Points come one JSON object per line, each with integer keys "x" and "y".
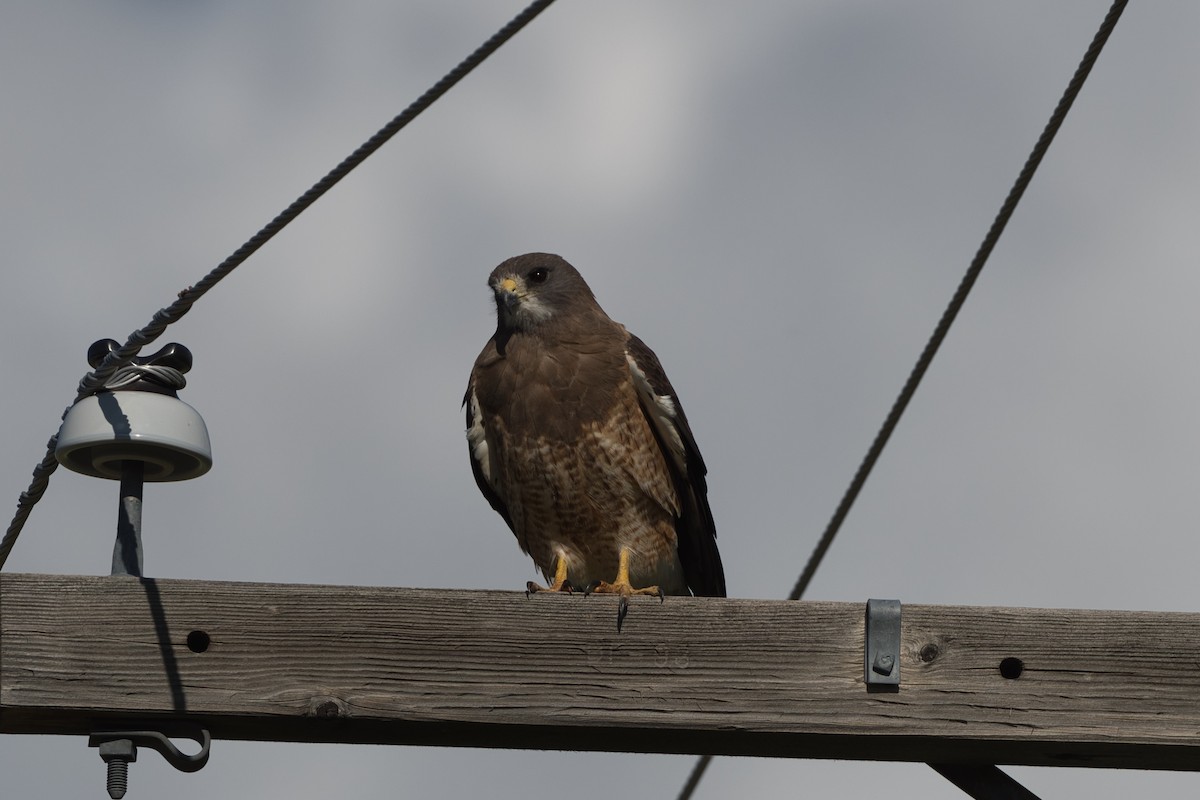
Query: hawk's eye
{"x": 539, "y": 275}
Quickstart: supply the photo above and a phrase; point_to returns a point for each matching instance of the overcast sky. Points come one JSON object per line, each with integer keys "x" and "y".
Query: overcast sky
{"x": 778, "y": 197}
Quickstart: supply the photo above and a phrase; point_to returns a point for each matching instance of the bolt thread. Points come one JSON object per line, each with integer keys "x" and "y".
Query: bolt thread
{"x": 118, "y": 778}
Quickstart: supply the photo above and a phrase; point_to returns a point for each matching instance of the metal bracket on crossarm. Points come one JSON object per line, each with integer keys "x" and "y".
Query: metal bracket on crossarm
{"x": 881, "y": 660}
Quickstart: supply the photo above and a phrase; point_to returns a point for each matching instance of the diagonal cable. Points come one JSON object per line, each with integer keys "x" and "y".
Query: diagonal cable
{"x": 960, "y": 296}
{"x": 943, "y": 326}
{"x": 95, "y": 380}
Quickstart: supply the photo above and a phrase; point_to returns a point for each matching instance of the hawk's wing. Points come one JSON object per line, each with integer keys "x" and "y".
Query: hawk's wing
{"x": 482, "y": 459}
{"x": 695, "y": 530}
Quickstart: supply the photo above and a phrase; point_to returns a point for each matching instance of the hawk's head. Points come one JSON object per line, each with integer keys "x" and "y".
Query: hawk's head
{"x": 537, "y": 288}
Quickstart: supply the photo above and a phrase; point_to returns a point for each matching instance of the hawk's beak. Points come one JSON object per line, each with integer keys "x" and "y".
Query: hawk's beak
{"x": 506, "y": 293}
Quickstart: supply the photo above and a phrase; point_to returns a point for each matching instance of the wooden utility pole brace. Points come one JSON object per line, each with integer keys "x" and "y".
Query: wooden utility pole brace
{"x": 692, "y": 675}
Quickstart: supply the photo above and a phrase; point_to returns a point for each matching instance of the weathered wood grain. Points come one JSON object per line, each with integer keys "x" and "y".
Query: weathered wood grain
{"x": 497, "y": 669}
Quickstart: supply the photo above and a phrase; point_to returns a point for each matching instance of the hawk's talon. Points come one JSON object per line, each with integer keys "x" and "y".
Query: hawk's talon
{"x": 557, "y": 586}
{"x": 621, "y": 586}
{"x": 561, "y": 584}
{"x": 624, "y": 589}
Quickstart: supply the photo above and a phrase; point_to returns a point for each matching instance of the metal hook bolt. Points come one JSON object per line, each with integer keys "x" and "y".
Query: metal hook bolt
{"x": 119, "y": 750}
{"x": 118, "y": 754}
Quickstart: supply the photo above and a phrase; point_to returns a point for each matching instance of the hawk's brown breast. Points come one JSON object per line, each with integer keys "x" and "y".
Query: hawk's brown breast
{"x": 576, "y": 461}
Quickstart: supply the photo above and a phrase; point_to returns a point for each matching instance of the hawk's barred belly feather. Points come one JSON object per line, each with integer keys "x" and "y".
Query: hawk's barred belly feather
{"x": 587, "y": 498}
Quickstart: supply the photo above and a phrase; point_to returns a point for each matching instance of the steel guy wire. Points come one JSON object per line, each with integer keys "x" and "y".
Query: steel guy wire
{"x": 96, "y": 380}
{"x": 943, "y": 326}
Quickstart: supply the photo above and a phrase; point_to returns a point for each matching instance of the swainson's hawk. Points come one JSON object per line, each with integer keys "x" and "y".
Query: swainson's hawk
{"x": 578, "y": 441}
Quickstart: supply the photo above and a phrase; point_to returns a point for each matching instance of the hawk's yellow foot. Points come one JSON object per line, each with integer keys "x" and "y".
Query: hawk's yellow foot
{"x": 622, "y": 586}
{"x": 561, "y": 584}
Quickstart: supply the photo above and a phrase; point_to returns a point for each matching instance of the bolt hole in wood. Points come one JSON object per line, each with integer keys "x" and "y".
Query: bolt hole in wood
{"x": 198, "y": 641}
{"x": 1012, "y": 668}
